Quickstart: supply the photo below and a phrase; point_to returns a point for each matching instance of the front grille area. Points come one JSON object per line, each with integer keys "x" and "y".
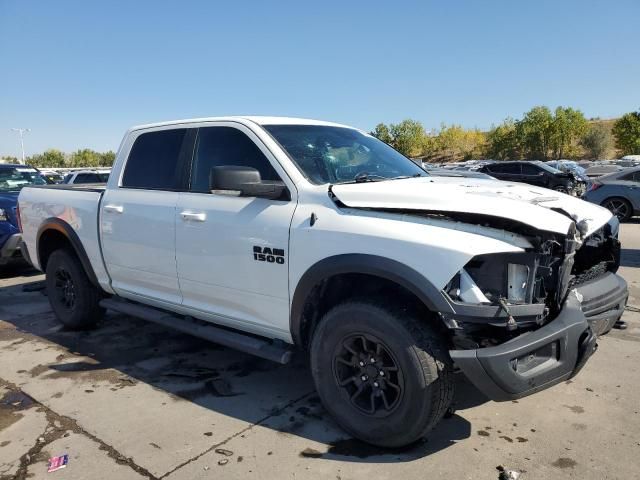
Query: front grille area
{"x": 599, "y": 254}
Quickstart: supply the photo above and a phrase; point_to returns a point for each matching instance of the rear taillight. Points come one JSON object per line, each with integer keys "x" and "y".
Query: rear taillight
{"x": 594, "y": 186}
{"x": 18, "y": 218}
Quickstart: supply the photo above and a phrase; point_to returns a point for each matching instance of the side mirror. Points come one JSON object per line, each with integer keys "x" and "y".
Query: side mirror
{"x": 243, "y": 182}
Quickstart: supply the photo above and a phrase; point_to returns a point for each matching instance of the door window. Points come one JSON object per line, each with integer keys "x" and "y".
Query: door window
{"x": 218, "y": 146}
{"x": 508, "y": 168}
{"x": 528, "y": 169}
{"x": 154, "y": 161}
{"x": 87, "y": 178}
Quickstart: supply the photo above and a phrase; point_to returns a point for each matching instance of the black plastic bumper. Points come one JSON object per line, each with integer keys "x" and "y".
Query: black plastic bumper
{"x": 533, "y": 361}
{"x": 604, "y": 299}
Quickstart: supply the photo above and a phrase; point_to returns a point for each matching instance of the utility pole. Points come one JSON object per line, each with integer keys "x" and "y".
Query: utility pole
{"x": 22, "y": 131}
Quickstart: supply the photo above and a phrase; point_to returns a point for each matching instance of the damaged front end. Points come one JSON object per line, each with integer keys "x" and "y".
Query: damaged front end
{"x": 524, "y": 321}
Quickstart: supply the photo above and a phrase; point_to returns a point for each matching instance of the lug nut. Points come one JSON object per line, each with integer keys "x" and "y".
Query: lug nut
{"x": 363, "y": 378}
{"x": 382, "y": 373}
{"x": 361, "y": 363}
{"x": 372, "y": 360}
{"x": 376, "y": 384}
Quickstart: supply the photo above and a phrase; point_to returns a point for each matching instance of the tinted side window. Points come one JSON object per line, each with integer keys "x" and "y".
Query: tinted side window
{"x": 87, "y": 178}
{"x": 530, "y": 169}
{"x": 154, "y": 161}
{"x": 217, "y": 146}
{"x": 512, "y": 168}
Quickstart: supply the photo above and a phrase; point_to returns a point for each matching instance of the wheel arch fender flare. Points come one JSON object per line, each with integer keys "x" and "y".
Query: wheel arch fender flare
{"x": 62, "y": 227}
{"x": 374, "y": 265}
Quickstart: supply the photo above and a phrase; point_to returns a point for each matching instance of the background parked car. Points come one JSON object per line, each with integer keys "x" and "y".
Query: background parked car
{"x": 533, "y": 172}
{"x": 51, "y": 176}
{"x": 87, "y": 176}
{"x": 580, "y": 178}
{"x": 12, "y": 179}
{"x": 619, "y": 192}
{"x": 447, "y": 172}
{"x": 600, "y": 169}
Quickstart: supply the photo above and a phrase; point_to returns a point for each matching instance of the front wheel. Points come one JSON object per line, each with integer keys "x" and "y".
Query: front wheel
{"x": 385, "y": 376}
{"x": 73, "y": 298}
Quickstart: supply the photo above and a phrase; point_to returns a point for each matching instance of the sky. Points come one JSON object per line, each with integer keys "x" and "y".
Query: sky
{"x": 79, "y": 73}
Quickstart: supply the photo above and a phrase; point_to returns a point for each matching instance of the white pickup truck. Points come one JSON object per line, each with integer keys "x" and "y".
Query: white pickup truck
{"x": 273, "y": 235}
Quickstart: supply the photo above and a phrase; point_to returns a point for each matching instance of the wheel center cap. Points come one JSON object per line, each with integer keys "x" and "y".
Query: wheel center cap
{"x": 371, "y": 371}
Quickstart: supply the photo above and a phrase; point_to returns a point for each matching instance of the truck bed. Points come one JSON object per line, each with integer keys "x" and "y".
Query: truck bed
{"x": 76, "y": 205}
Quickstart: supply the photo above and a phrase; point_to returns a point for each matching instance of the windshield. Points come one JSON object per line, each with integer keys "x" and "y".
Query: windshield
{"x": 546, "y": 167}
{"x": 326, "y": 154}
{"x": 13, "y": 179}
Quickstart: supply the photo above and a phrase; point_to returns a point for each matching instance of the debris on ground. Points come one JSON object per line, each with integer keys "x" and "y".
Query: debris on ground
{"x": 222, "y": 451}
{"x": 507, "y": 474}
{"x": 56, "y": 463}
{"x": 224, "y": 461}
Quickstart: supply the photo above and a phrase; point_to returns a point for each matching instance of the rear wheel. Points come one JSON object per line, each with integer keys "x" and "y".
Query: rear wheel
{"x": 620, "y": 207}
{"x": 383, "y": 375}
{"x": 73, "y": 298}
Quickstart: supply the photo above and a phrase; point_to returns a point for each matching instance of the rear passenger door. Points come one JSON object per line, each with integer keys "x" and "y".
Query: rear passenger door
{"x": 137, "y": 216}
{"x": 232, "y": 252}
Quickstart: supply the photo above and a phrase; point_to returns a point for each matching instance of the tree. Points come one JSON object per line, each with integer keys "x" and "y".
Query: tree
{"x": 454, "y": 143}
{"x": 383, "y": 134}
{"x": 534, "y": 133}
{"x": 408, "y": 137}
{"x": 85, "y": 158}
{"x": 627, "y": 132}
{"x": 9, "y": 159}
{"x": 107, "y": 158}
{"x": 597, "y": 141}
{"x": 51, "y": 158}
{"x": 502, "y": 141}
{"x": 567, "y": 127}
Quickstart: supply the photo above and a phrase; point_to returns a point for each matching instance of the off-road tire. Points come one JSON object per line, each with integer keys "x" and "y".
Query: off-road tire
{"x": 73, "y": 298}
{"x": 422, "y": 357}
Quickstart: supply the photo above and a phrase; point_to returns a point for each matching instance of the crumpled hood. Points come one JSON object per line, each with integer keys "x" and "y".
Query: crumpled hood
{"x": 516, "y": 201}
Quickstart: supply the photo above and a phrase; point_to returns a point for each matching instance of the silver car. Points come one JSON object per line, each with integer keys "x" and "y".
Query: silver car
{"x": 619, "y": 192}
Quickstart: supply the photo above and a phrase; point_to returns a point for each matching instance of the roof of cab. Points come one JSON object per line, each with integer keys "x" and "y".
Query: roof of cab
{"x": 260, "y": 120}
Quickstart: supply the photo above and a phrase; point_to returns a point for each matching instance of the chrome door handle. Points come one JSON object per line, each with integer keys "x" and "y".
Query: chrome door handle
{"x": 196, "y": 217}
{"x": 114, "y": 208}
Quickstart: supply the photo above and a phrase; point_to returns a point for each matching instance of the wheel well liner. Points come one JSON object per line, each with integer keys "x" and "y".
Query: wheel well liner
{"x": 54, "y": 233}
{"x": 373, "y": 265}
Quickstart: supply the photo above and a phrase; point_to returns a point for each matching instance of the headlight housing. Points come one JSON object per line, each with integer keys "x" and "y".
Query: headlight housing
{"x": 488, "y": 278}
{"x": 3, "y": 216}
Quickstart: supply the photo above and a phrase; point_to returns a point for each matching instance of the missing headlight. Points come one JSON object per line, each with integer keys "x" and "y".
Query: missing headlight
{"x": 517, "y": 282}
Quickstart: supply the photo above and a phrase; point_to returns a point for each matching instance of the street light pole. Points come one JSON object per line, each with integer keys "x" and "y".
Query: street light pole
{"x": 22, "y": 131}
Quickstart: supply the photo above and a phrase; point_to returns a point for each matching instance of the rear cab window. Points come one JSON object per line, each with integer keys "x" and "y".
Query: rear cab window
{"x": 155, "y": 160}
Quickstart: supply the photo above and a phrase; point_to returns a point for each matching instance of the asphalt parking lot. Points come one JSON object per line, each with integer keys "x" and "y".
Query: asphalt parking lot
{"x": 134, "y": 400}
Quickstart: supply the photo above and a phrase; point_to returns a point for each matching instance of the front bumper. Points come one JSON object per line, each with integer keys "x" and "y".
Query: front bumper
{"x": 11, "y": 248}
{"x": 557, "y": 351}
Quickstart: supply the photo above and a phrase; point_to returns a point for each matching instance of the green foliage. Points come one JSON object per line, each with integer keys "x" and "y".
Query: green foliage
{"x": 534, "y": 133}
{"x": 627, "y": 132}
{"x": 567, "y": 128}
{"x": 8, "y": 159}
{"x": 597, "y": 141}
{"x": 407, "y": 137}
{"x": 502, "y": 141}
{"x": 382, "y": 133}
{"x": 455, "y": 143}
{"x": 540, "y": 134}
{"x": 53, "y": 158}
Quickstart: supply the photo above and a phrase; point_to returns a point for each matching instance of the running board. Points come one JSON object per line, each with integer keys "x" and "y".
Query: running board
{"x": 239, "y": 341}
